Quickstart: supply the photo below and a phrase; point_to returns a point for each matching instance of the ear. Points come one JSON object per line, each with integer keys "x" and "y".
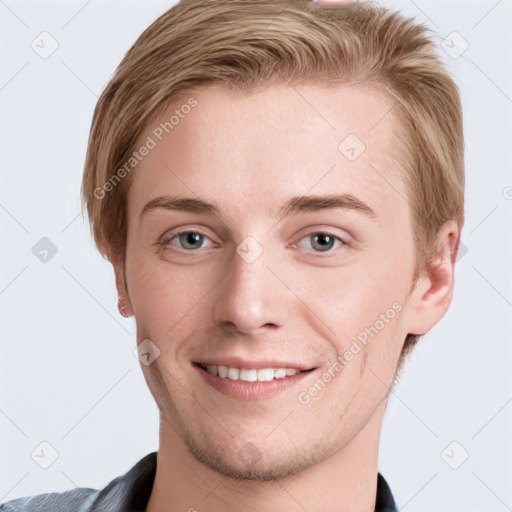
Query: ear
{"x": 433, "y": 290}
{"x": 124, "y": 304}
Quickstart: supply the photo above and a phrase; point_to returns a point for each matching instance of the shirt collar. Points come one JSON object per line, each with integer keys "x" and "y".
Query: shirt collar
{"x": 385, "y": 501}
{"x": 131, "y": 491}
{"x": 127, "y": 493}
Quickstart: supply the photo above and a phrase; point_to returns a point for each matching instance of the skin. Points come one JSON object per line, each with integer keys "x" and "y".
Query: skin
{"x": 299, "y": 300}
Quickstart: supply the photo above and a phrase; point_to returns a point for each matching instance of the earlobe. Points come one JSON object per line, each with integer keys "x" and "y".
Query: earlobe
{"x": 433, "y": 292}
{"x": 124, "y": 308}
{"x": 124, "y": 304}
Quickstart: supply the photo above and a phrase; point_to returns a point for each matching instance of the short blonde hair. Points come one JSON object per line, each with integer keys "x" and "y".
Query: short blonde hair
{"x": 250, "y": 44}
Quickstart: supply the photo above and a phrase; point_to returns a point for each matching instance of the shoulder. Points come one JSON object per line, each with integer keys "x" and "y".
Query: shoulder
{"x": 130, "y": 491}
{"x": 74, "y": 500}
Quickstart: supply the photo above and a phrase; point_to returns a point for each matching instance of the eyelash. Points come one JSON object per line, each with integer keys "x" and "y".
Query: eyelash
{"x": 166, "y": 240}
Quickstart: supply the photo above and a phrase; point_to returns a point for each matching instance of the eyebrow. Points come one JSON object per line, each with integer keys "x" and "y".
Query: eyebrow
{"x": 294, "y": 205}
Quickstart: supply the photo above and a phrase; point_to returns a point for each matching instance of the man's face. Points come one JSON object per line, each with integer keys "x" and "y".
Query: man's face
{"x": 250, "y": 287}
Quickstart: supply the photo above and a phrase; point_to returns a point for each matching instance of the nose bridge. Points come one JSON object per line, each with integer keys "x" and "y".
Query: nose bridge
{"x": 250, "y": 294}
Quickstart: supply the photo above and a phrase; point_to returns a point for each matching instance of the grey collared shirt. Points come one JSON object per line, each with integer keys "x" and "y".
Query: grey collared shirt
{"x": 130, "y": 493}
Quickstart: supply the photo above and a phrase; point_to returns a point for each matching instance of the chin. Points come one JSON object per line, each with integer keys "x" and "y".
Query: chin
{"x": 259, "y": 459}
{"x": 249, "y": 463}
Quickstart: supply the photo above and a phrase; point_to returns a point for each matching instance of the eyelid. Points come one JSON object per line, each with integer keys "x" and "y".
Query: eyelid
{"x": 344, "y": 236}
{"x": 344, "y": 241}
{"x": 173, "y": 233}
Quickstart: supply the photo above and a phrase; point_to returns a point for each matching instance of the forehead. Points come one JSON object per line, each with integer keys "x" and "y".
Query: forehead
{"x": 270, "y": 145}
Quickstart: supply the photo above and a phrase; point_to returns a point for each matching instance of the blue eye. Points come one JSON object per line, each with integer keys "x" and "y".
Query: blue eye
{"x": 323, "y": 241}
{"x": 188, "y": 240}
{"x": 192, "y": 241}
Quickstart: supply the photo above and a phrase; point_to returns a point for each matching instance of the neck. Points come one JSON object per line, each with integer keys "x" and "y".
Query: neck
{"x": 344, "y": 482}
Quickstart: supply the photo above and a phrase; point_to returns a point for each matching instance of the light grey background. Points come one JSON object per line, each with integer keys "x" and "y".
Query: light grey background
{"x": 68, "y": 374}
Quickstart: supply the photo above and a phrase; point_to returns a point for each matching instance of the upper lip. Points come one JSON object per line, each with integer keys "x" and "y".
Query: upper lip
{"x": 231, "y": 362}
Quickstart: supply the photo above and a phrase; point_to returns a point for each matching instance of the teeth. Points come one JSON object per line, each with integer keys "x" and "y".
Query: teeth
{"x": 248, "y": 375}
{"x": 265, "y": 374}
{"x": 253, "y": 375}
{"x": 233, "y": 373}
{"x": 280, "y": 373}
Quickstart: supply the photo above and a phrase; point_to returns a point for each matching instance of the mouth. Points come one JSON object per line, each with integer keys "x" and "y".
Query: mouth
{"x": 250, "y": 374}
{"x": 250, "y": 384}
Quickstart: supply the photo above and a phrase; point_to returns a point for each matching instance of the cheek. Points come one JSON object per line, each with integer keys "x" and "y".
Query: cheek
{"x": 352, "y": 299}
{"x": 166, "y": 298}
{"x": 363, "y": 310}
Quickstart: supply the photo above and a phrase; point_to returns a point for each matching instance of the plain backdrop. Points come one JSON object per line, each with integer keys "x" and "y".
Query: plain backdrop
{"x": 68, "y": 375}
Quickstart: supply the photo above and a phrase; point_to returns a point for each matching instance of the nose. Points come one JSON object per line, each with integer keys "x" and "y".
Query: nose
{"x": 251, "y": 297}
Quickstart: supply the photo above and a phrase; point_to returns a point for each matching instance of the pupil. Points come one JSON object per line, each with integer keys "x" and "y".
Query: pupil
{"x": 192, "y": 238}
{"x": 324, "y": 237}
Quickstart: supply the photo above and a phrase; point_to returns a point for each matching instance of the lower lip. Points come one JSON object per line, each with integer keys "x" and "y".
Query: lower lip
{"x": 251, "y": 391}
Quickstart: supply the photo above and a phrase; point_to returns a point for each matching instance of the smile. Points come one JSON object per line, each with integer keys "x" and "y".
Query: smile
{"x": 250, "y": 384}
{"x": 249, "y": 375}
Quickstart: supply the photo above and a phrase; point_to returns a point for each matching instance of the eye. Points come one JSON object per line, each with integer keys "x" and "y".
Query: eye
{"x": 192, "y": 241}
{"x": 186, "y": 240}
{"x": 322, "y": 241}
